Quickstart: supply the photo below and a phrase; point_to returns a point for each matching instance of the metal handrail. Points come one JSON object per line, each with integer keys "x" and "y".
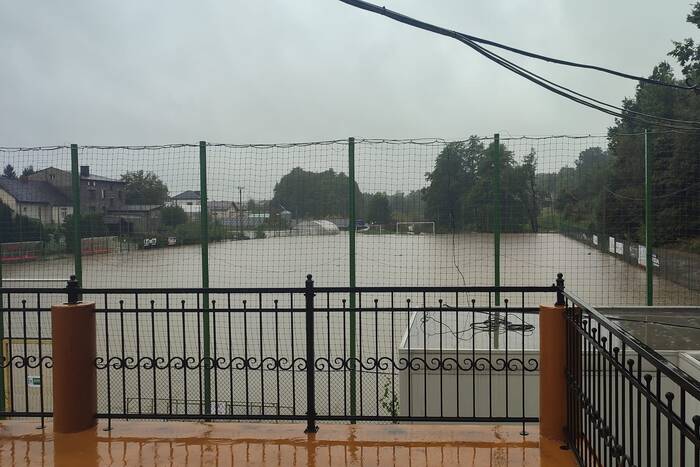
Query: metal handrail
{"x": 30, "y": 279}
{"x": 299, "y": 290}
{"x": 668, "y": 369}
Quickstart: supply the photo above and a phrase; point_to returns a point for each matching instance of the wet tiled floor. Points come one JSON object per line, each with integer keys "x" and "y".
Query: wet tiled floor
{"x": 266, "y": 444}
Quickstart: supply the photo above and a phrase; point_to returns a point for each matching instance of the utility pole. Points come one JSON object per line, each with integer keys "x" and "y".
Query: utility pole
{"x": 240, "y": 212}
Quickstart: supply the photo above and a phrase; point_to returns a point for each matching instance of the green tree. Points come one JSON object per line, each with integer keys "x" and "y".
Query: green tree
{"x": 18, "y": 228}
{"x": 451, "y": 179}
{"x": 315, "y": 195}
{"x": 480, "y": 200}
{"x": 378, "y": 209}
{"x": 9, "y": 172}
{"x": 581, "y": 192}
{"x": 27, "y": 171}
{"x": 144, "y": 188}
{"x": 252, "y": 206}
{"x": 407, "y": 207}
{"x": 532, "y": 194}
{"x": 675, "y": 167}
{"x": 173, "y": 216}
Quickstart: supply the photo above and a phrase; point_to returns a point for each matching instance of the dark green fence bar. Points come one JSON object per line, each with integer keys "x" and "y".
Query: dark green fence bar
{"x": 497, "y": 216}
{"x": 648, "y": 220}
{"x": 351, "y": 234}
{"x": 204, "y": 240}
{"x": 77, "y": 246}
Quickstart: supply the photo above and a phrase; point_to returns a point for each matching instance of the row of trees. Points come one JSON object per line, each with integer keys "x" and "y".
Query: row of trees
{"x": 9, "y": 172}
{"x": 604, "y": 192}
{"x": 325, "y": 195}
{"x": 462, "y": 191}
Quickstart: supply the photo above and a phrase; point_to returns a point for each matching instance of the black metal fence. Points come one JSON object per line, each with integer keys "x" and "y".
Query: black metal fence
{"x": 627, "y": 405}
{"x": 418, "y": 353}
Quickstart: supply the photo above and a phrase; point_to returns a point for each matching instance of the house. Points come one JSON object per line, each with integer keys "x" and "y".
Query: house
{"x": 186, "y": 198}
{"x": 223, "y": 209}
{"x": 97, "y": 194}
{"x": 35, "y": 199}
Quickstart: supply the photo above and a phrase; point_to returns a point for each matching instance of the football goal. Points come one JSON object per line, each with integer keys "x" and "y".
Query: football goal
{"x": 415, "y": 228}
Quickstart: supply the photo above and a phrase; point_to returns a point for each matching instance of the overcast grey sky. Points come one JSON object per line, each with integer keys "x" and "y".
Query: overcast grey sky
{"x": 128, "y": 72}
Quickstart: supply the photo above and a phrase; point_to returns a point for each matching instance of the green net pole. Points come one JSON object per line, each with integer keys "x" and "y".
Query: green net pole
{"x": 351, "y": 232}
{"x": 648, "y": 220}
{"x": 204, "y": 240}
{"x": 77, "y": 247}
{"x": 2, "y": 339}
{"x": 497, "y": 217}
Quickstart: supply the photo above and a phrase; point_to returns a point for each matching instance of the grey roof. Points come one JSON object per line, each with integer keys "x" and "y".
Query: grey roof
{"x": 189, "y": 194}
{"x": 97, "y": 178}
{"x": 221, "y": 205}
{"x": 31, "y": 191}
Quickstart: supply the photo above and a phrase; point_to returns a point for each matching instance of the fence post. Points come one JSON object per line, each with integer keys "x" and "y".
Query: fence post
{"x": 204, "y": 241}
{"x": 497, "y": 217}
{"x": 648, "y": 220}
{"x": 310, "y": 358}
{"x": 77, "y": 246}
{"x": 553, "y": 352}
{"x": 352, "y": 221}
{"x": 2, "y": 339}
{"x": 74, "y": 345}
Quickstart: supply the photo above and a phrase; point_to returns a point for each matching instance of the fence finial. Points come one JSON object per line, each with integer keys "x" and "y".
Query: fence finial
{"x": 73, "y": 290}
{"x": 560, "y": 290}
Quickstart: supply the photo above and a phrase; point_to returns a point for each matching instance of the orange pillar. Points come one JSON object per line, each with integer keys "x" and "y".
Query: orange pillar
{"x": 74, "y": 373}
{"x": 552, "y": 372}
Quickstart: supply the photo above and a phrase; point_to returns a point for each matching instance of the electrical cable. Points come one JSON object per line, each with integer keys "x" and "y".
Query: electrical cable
{"x": 540, "y": 81}
{"x": 446, "y": 32}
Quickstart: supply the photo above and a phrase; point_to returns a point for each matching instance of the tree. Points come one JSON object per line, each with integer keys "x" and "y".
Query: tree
{"x": 580, "y": 192}
{"x": 451, "y": 179}
{"x": 9, "y": 172}
{"x": 18, "y": 228}
{"x": 378, "y": 209}
{"x": 480, "y": 201}
{"x": 251, "y": 205}
{"x": 687, "y": 52}
{"x": 144, "y": 188}
{"x": 315, "y": 194}
{"x": 407, "y": 207}
{"x": 173, "y": 216}
{"x": 529, "y": 169}
{"x": 27, "y": 171}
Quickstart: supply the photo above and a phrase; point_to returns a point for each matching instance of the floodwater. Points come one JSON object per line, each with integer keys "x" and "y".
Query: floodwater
{"x": 260, "y": 353}
{"x": 382, "y": 260}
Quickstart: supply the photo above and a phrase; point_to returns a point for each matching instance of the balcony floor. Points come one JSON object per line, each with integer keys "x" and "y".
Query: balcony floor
{"x": 194, "y": 443}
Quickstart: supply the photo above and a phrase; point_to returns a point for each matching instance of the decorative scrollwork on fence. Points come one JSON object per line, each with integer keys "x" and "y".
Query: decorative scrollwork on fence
{"x": 324, "y": 364}
{"x": 384, "y": 364}
{"x": 192, "y": 363}
{"x": 27, "y": 361}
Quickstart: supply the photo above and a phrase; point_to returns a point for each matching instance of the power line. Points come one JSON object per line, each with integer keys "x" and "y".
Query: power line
{"x": 540, "y": 81}
{"x": 446, "y": 32}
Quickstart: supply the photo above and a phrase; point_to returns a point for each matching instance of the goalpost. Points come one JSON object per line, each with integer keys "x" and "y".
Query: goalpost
{"x": 415, "y": 228}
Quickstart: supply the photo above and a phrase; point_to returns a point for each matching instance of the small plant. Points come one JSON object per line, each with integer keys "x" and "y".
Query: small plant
{"x": 389, "y": 401}
{"x": 260, "y": 232}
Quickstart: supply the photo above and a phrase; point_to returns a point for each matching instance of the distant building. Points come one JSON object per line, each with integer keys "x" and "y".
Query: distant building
{"x": 134, "y": 218}
{"x": 47, "y": 195}
{"x": 35, "y": 199}
{"x": 97, "y": 194}
{"x": 223, "y": 209}
{"x": 186, "y": 198}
